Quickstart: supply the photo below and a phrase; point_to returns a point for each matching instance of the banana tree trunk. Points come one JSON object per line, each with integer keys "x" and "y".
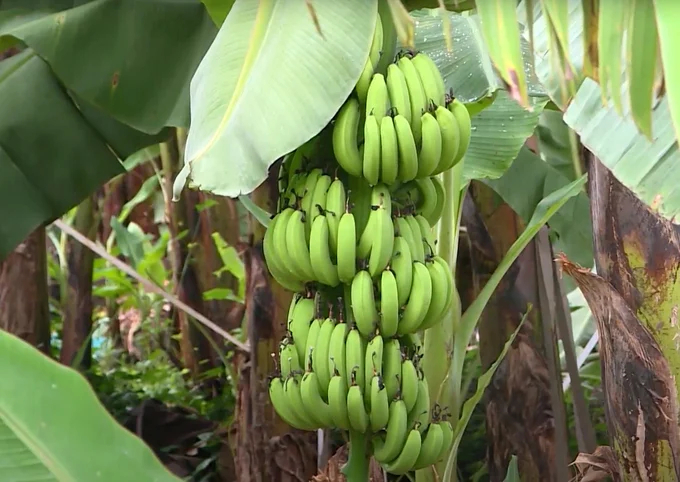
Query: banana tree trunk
{"x": 637, "y": 255}
{"x": 519, "y": 414}
{"x": 24, "y": 304}
{"x": 266, "y": 448}
{"x": 77, "y": 345}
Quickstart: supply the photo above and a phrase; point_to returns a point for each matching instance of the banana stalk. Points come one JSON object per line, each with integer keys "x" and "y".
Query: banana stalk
{"x": 438, "y": 341}
{"x": 359, "y": 458}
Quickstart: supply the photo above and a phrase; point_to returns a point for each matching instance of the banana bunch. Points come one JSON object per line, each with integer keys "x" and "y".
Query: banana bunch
{"x": 353, "y": 237}
{"x": 412, "y": 129}
{"x": 415, "y": 290}
{"x": 332, "y": 376}
{"x": 301, "y": 243}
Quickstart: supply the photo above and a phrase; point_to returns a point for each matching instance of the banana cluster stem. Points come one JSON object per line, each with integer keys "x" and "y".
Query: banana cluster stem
{"x": 358, "y": 461}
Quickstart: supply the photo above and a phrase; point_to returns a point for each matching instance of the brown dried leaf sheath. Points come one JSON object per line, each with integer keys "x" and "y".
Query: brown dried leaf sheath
{"x": 641, "y": 402}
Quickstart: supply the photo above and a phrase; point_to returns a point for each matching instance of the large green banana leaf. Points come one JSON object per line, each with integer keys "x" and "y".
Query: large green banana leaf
{"x": 270, "y": 82}
{"x": 131, "y": 58}
{"x": 647, "y": 167}
{"x": 121, "y": 61}
{"x": 613, "y": 43}
{"x": 53, "y": 428}
{"x": 52, "y": 154}
{"x": 527, "y": 182}
{"x": 468, "y": 67}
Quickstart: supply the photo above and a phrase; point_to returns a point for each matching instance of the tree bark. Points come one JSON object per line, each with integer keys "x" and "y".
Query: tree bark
{"x": 77, "y": 328}
{"x": 195, "y": 261}
{"x": 637, "y": 255}
{"x": 184, "y": 277}
{"x": 24, "y": 302}
{"x": 519, "y": 413}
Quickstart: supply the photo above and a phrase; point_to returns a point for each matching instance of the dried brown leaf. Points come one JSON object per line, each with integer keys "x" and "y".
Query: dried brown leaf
{"x": 333, "y": 470}
{"x": 640, "y": 398}
{"x": 597, "y": 466}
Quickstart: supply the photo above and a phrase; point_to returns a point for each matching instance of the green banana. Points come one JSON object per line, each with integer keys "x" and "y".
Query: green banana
{"x": 315, "y": 406}
{"x": 420, "y": 413}
{"x": 299, "y": 324}
{"x": 356, "y": 410}
{"x": 450, "y": 281}
{"x": 418, "y": 239}
{"x": 380, "y": 407}
{"x": 404, "y": 230}
{"x": 312, "y": 337}
{"x": 320, "y": 359}
{"x": 377, "y": 99}
{"x": 438, "y": 210}
{"x": 345, "y": 146}
{"x": 409, "y": 383}
{"x": 373, "y": 363}
{"x": 439, "y": 295}
{"x": 337, "y": 402}
{"x": 280, "y": 403}
{"x": 408, "y": 152}
{"x": 336, "y": 199}
{"x": 451, "y": 136}
{"x": 279, "y": 235}
{"x": 418, "y": 302}
{"x": 288, "y": 359}
{"x": 408, "y": 456}
{"x": 431, "y": 77}
{"x": 275, "y": 265}
{"x": 296, "y": 245}
{"x": 385, "y": 450}
{"x": 389, "y": 304}
{"x": 402, "y": 267}
{"x": 336, "y": 351}
{"x": 347, "y": 248}
{"x": 431, "y": 148}
{"x": 392, "y": 367}
{"x": 383, "y": 240}
{"x": 447, "y": 438}
{"x": 355, "y": 357}
{"x": 381, "y": 197}
{"x": 428, "y": 197}
{"x": 398, "y": 91}
{"x": 372, "y": 150}
{"x": 416, "y": 93}
{"x": 361, "y": 88}
{"x": 319, "y": 252}
{"x": 308, "y": 198}
{"x": 377, "y": 42}
{"x": 427, "y": 234}
{"x": 291, "y": 308}
{"x": 366, "y": 240}
{"x": 389, "y": 151}
{"x": 464, "y": 126}
{"x": 363, "y": 303}
{"x": 291, "y": 390}
{"x": 431, "y": 447}
{"x": 318, "y": 205}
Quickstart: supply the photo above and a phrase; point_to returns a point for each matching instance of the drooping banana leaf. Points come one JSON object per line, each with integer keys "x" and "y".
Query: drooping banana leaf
{"x": 52, "y": 154}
